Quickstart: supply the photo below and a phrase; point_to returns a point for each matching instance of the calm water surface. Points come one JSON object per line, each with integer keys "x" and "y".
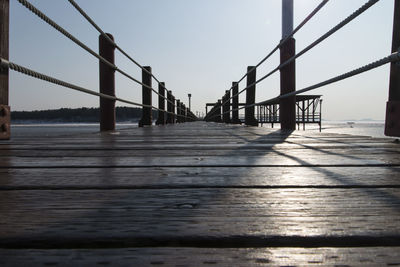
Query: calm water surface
{"x": 364, "y": 128}
{"x": 59, "y": 129}
{"x": 374, "y": 129}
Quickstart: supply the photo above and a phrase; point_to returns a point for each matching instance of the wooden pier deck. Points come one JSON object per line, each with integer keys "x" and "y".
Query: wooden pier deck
{"x": 200, "y": 194}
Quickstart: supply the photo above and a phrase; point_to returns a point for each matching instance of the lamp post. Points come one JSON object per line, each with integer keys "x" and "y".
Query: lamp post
{"x": 190, "y": 107}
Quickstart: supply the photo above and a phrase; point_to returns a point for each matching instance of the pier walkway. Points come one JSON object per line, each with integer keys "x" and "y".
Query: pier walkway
{"x": 200, "y": 194}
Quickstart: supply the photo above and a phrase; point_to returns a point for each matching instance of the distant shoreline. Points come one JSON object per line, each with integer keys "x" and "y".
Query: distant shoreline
{"x": 77, "y": 115}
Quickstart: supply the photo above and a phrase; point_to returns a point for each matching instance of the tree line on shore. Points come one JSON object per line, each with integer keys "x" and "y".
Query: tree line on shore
{"x": 77, "y": 115}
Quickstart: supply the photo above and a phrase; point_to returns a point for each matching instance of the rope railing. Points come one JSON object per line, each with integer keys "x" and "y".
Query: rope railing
{"x": 308, "y": 18}
{"x": 343, "y": 23}
{"x": 283, "y": 41}
{"x": 394, "y": 57}
{"x": 170, "y": 110}
{"x": 91, "y": 21}
{"x": 27, "y": 71}
{"x": 49, "y": 21}
{"x": 290, "y": 60}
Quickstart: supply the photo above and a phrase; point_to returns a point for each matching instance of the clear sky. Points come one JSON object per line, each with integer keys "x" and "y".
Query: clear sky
{"x": 200, "y": 47}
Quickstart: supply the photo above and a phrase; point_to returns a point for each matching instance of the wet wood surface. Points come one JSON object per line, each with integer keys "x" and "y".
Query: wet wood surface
{"x": 249, "y": 195}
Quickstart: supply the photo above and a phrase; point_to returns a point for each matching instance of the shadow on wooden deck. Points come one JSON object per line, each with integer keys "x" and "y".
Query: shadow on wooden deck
{"x": 203, "y": 189}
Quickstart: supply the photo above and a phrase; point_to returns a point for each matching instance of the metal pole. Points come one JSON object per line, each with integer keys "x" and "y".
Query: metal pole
{"x": 107, "y": 84}
{"x": 5, "y": 117}
{"x": 190, "y": 105}
{"x": 146, "y": 97}
{"x": 288, "y": 79}
{"x": 287, "y": 18}
{"x": 392, "y": 122}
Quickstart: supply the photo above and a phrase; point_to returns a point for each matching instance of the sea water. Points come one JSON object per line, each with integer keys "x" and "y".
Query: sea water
{"x": 59, "y": 129}
{"x": 361, "y": 128}
{"x": 364, "y": 128}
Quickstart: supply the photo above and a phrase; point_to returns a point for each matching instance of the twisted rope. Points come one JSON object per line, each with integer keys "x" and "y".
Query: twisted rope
{"x": 91, "y": 21}
{"x": 354, "y": 15}
{"x": 394, "y": 57}
{"x": 308, "y": 18}
{"x": 49, "y": 21}
{"x": 18, "y": 68}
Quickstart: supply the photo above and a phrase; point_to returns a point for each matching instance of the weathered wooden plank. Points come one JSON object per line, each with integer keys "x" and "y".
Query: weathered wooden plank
{"x": 176, "y": 256}
{"x": 301, "y": 190}
{"x": 191, "y": 217}
{"x": 314, "y": 159}
{"x": 165, "y": 177}
{"x": 195, "y": 150}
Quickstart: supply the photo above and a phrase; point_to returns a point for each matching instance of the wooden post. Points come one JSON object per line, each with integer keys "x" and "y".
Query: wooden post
{"x": 227, "y": 106}
{"x": 303, "y": 116}
{"x": 320, "y": 115}
{"x": 235, "y": 103}
{"x": 146, "y": 97}
{"x": 270, "y": 113}
{"x": 5, "y": 118}
{"x": 274, "y": 115}
{"x": 287, "y": 109}
{"x": 183, "y": 112}
{"x": 161, "y": 104}
{"x": 186, "y": 114}
{"x": 107, "y": 84}
{"x": 250, "y": 97}
{"x": 218, "y": 111}
{"x": 392, "y": 121}
{"x": 298, "y": 115}
{"x": 213, "y": 113}
{"x": 210, "y": 114}
{"x": 313, "y": 110}
{"x": 169, "y": 107}
{"x": 178, "y": 111}
{"x": 173, "y": 109}
{"x": 5, "y": 114}
{"x": 288, "y": 84}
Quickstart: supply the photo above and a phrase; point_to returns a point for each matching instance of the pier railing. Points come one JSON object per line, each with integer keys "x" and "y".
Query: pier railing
{"x": 227, "y": 108}
{"x": 174, "y": 111}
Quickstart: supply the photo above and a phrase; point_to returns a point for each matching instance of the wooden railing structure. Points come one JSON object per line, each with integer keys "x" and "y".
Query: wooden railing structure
{"x": 174, "y": 112}
{"x": 227, "y": 108}
{"x": 204, "y": 193}
{"x": 308, "y": 111}
{"x": 171, "y": 110}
